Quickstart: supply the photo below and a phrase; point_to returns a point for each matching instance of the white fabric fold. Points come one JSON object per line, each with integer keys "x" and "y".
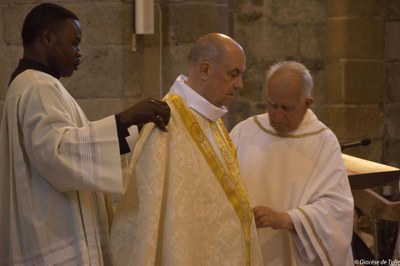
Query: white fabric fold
{"x": 302, "y": 174}
{"x": 52, "y": 158}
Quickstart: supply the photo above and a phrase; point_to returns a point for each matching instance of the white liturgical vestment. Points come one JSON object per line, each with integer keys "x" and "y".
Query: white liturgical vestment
{"x": 52, "y": 158}
{"x": 302, "y": 174}
{"x": 176, "y": 210}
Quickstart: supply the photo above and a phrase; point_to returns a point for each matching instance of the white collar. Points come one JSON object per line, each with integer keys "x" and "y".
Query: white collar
{"x": 195, "y": 101}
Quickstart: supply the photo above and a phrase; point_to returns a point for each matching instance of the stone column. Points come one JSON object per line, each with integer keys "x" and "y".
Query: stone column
{"x": 392, "y": 75}
{"x": 354, "y": 73}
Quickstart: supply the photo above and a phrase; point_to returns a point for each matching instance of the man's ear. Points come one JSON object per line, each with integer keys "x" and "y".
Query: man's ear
{"x": 46, "y": 37}
{"x": 204, "y": 69}
{"x": 309, "y": 101}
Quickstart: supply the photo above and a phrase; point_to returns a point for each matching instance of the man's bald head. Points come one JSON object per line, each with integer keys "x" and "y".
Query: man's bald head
{"x": 215, "y": 67}
{"x": 211, "y": 47}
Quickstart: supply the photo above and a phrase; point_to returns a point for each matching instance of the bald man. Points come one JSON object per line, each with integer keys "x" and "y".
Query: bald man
{"x": 186, "y": 203}
{"x": 294, "y": 171}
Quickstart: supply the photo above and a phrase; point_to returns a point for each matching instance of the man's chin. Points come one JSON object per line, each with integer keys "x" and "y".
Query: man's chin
{"x": 67, "y": 74}
{"x": 280, "y": 129}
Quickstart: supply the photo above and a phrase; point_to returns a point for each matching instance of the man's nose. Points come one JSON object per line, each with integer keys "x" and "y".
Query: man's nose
{"x": 278, "y": 113}
{"x": 238, "y": 85}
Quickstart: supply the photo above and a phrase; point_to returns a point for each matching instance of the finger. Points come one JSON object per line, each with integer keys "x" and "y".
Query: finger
{"x": 161, "y": 105}
{"x": 164, "y": 118}
{"x": 162, "y": 109}
{"x": 154, "y": 101}
{"x": 165, "y": 113}
{"x": 261, "y": 223}
{"x": 160, "y": 123}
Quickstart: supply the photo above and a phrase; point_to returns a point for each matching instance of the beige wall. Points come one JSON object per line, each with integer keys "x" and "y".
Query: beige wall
{"x": 351, "y": 47}
{"x": 355, "y": 73}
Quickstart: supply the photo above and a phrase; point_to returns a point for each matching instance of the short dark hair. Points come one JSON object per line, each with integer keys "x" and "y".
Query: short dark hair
{"x": 41, "y": 17}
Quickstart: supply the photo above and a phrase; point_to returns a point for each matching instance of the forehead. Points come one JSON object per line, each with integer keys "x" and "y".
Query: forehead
{"x": 286, "y": 84}
{"x": 72, "y": 28}
{"x": 234, "y": 58}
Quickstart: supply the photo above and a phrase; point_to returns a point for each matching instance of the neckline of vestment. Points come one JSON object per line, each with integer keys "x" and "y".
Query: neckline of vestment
{"x": 195, "y": 101}
{"x": 304, "y": 130}
{"x": 25, "y": 64}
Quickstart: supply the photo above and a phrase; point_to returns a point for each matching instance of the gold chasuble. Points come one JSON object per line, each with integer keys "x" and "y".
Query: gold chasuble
{"x": 229, "y": 179}
{"x": 185, "y": 201}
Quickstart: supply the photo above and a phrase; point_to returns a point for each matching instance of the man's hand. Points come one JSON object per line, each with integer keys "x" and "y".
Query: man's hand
{"x": 266, "y": 217}
{"x": 149, "y": 110}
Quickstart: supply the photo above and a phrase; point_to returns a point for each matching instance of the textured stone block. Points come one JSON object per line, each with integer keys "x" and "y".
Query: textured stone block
{"x": 174, "y": 63}
{"x": 319, "y": 110}
{"x": 355, "y": 122}
{"x": 392, "y": 111}
{"x": 199, "y": 1}
{"x": 333, "y": 81}
{"x": 319, "y": 86}
{"x": 289, "y": 12}
{"x": 355, "y": 81}
{"x": 108, "y": 23}
{"x": 13, "y": 18}
{"x": 312, "y": 40}
{"x": 354, "y": 38}
{"x": 189, "y": 21}
{"x": 10, "y": 56}
{"x": 267, "y": 40}
{"x": 151, "y": 73}
{"x": 392, "y": 70}
{"x": 254, "y": 79}
{"x": 99, "y": 75}
{"x": 392, "y": 37}
{"x": 357, "y": 8}
{"x": 393, "y": 9}
{"x": 2, "y": 29}
{"x": 1, "y": 109}
{"x": 241, "y": 109}
{"x": 392, "y": 153}
{"x": 363, "y": 81}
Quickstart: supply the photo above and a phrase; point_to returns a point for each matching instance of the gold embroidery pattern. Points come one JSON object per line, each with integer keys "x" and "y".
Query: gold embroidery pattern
{"x": 273, "y": 133}
{"x": 227, "y": 155}
{"x": 196, "y": 132}
{"x": 321, "y": 244}
{"x": 230, "y": 179}
{"x": 224, "y": 143}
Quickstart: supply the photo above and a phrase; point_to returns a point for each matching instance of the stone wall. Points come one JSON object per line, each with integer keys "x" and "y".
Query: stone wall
{"x": 350, "y": 47}
{"x": 271, "y": 31}
{"x": 392, "y": 84}
{"x": 354, "y": 73}
{"x": 107, "y": 79}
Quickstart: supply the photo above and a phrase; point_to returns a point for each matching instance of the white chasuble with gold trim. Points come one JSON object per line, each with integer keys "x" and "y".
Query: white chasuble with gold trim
{"x": 184, "y": 204}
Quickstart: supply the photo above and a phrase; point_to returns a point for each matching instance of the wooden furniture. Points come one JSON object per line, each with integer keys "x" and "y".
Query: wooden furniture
{"x": 364, "y": 175}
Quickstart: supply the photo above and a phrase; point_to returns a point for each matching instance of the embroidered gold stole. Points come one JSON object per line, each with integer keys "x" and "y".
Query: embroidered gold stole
{"x": 229, "y": 178}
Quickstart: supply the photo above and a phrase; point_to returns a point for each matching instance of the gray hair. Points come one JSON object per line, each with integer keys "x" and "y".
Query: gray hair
{"x": 298, "y": 67}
